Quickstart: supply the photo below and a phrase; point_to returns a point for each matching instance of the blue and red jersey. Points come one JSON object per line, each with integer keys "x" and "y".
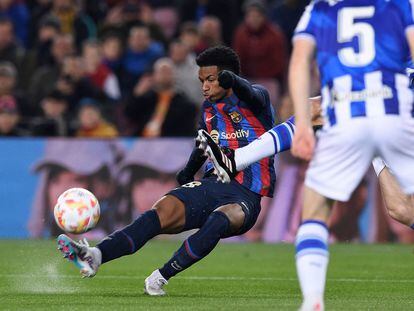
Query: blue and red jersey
{"x": 234, "y": 123}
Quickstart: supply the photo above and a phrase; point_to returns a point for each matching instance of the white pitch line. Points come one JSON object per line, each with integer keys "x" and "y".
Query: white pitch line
{"x": 204, "y": 278}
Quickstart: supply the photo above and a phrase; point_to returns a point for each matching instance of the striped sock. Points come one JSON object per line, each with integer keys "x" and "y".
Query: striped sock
{"x": 276, "y": 140}
{"x": 283, "y": 135}
{"x": 312, "y": 258}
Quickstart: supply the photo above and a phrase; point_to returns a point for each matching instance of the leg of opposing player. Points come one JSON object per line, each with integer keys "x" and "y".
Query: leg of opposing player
{"x": 312, "y": 255}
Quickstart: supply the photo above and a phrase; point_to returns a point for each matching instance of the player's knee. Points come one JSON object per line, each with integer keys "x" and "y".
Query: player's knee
{"x": 171, "y": 212}
{"x": 235, "y": 214}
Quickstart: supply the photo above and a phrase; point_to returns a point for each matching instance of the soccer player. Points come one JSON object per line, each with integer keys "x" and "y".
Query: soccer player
{"x": 237, "y": 113}
{"x": 368, "y": 109}
{"x": 361, "y": 48}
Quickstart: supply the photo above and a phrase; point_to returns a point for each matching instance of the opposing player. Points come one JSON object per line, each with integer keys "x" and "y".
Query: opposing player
{"x": 238, "y": 113}
{"x": 368, "y": 109}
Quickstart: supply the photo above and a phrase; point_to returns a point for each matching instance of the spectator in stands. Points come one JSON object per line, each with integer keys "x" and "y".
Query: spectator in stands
{"x": 91, "y": 121}
{"x": 150, "y": 18}
{"x": 226, "y": 11}
{"x": 9, "y": 118}
{"x": 44, "y": 79}
{"x": 54, "y": 120}
{"x": 40, "y": 54}
{"x": 166, "y": 16}
{"x": 286, "y": 14}
{"x": 114, "y": 17}
{"x": 128, "y": 14}
{"x": 95, "y": 9}
{"x": 71, "y": 72}
{"x": 140, "y": 54}
{"x": 210, "y": 32}
{"x": 74, "y": 83}
{"x": 261, "y": 46}
{"x": 10, "y": 50}
{"x": 48, "y": 30}
{"x": 73, "y": 21}
{"x": 157, "y": 109}
{"x": 112, "y": 50}
{"x": 8, "y": 88}
{"x": 19, "y": 15}
{"x": 190, "y": 36}
{"x": 39, "y": 9}
{"x": 100, "y": 75}
{"x": 186, "y": 70}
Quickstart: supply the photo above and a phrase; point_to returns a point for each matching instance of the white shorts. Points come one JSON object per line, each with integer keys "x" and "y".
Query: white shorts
{"x": 344, "y": 152}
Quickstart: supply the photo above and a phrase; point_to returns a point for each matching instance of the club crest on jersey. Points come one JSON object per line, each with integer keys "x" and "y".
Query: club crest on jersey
{"x": 235, "y": 116}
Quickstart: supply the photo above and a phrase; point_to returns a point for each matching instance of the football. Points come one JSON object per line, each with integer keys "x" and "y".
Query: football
{"x": 77, "y": 211}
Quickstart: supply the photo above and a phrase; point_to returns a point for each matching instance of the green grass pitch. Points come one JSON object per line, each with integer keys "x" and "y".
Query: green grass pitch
{"x": 234, "y": 277}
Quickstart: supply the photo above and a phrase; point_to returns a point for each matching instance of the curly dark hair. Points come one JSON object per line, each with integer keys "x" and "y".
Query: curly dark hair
{"x": 221, "y": 56}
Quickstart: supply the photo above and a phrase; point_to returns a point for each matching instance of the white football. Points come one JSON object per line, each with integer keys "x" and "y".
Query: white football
{"x": 77, "y": 211}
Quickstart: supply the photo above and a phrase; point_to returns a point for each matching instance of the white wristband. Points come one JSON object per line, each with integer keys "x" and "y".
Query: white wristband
{"x": 378, "y": 165}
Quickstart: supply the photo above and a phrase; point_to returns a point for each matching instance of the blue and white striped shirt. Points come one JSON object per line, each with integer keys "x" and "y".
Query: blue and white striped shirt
{"x": 362, "y": 51}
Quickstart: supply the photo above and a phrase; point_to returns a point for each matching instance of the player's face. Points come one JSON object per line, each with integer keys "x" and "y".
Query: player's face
{"x": 212, "y": 91}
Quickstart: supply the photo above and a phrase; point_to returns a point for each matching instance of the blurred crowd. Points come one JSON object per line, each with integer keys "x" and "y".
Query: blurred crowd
{"x": 108, "y": 68}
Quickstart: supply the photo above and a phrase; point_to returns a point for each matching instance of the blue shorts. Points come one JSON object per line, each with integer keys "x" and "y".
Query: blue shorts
{"x": 202, "y": 197}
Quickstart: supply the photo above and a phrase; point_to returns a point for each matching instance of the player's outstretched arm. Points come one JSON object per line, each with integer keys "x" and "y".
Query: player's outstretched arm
{"x": 399, "y": 205}
{"x": 299, "y": 84}
{"x": 242, "y": 88}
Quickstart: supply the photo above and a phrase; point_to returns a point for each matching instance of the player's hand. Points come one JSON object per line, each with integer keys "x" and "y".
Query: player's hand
{"x": 303, "y": 143}
{"x": 316, "y": 111}
{"x": 183, "y": 177}
{"x": 226, "y": 79}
